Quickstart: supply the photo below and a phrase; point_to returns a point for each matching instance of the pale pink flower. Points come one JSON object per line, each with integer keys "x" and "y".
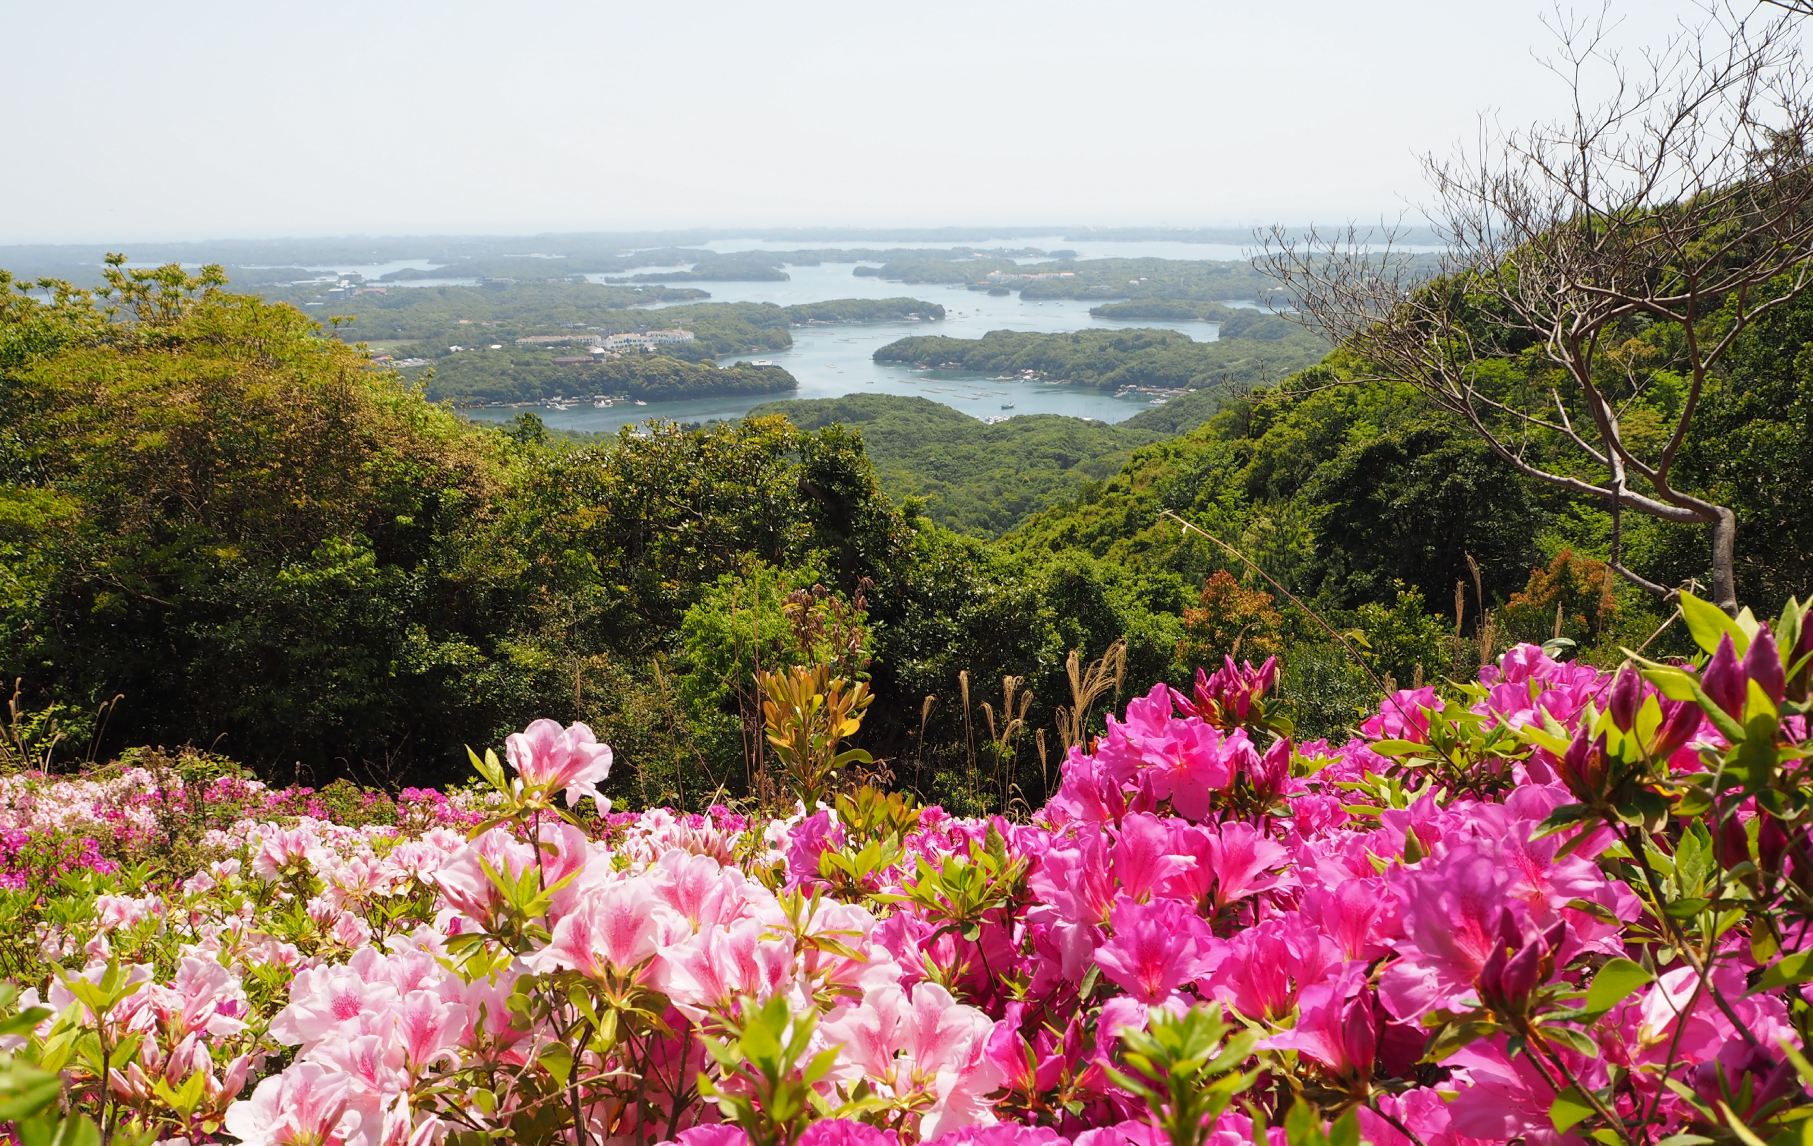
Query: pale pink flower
{"x": 430, "y": 1028}
{"x": 328, "y": 1001}
{"x": 706, "y": 972}
{"x": 549, "y": 758}
{"x": 303, "y": 1106}
{"x": 616, "y": 928}
{"x": 928, "y": 1043}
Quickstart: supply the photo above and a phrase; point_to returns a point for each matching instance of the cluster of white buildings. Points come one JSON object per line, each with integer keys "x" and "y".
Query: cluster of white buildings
{"x": 614, "y": 343}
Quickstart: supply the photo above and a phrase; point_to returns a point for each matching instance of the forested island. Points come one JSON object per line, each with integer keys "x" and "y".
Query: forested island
{"x": 506, "y": 345}
{"x": 473, "y": 379}
{"x": 1266, "y": 349}
{"x": 1165, "y": 310}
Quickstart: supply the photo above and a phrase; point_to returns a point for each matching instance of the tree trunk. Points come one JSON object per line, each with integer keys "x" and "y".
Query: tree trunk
{"x": 1724, "y": 560}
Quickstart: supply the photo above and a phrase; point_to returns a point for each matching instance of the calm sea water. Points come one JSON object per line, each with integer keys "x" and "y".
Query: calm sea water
{"x": 831, "y": 361}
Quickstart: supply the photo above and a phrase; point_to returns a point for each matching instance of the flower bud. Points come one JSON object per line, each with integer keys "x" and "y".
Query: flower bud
{"x": 1771, "y": 845}
{"x": 1360, "y": 1033}
{"x": 1733, "y": 843}
{"x": 1801, "y": 686}
{"x": 1626, "y": 699}
{"x": 1763, "y": 664}
{"x": 1723, "y": 679}
{"x": 1680, "y": 722}
{"x": 1586, "y": 767}
{"x": 1273, "y": 772}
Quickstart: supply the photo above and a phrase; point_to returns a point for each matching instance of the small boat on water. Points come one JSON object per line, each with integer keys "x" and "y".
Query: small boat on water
{"x": 640, "y": 402}
{"x": 1007, "y": 405}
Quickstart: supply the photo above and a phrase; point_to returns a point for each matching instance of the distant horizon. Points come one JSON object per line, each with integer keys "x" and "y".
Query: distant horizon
{"x": 47, "y": 259}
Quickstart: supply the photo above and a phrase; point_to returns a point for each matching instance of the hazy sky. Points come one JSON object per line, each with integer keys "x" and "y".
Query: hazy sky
{"x": 190, "y": 121}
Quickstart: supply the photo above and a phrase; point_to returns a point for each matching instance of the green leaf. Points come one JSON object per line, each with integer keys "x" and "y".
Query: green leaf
{"x": 1755, "y": 757}
{"x": 1693, "y": 860}
{"x": 1561, "y": 819}
{"x": 1398, "y": 747}
{"x": 1570, "y": 1107}
{"x": 1706, "y": 623}
{"x": 1614, "y": 983}
{"x": 1787, "y": 971}
{"x": 24, "y": 1092}
{"x": 1577, "y": 1041}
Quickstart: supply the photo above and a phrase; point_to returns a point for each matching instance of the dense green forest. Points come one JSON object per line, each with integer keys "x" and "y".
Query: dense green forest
{"x": 260, "y": 539}
{"x": 1251, "y": 351}
{"x": 987, "y": 479}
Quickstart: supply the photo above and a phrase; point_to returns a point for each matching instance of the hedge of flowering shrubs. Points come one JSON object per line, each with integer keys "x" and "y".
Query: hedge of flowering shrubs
{"x": 1555, "y": 905}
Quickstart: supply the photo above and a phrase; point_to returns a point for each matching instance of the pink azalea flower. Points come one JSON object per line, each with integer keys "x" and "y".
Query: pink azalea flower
{"x": 1501, "y": 1096}
{"x": 1266, "y": 965}
{"x": 1145, "y": 856}
{"x": 549, "y": 758}
{"x": 430, "y": 1028}
{"x": 617, "y": 929}
{"x": 1403, "y": 716}
{"x": 928, "y": 1044}
{"x": 1335, "y": 1024}
{"x": 1244, "y": 863}
{"x": 328, "y": 1001}
{"x": 843, "y": 1132}
{"x": 705, "y": 973}
{"x": 1359, "y": 915}
{"x": 303, "y": 1106}
{"x": 1450, "y": 908}
{"x": 465, "y": 884}
{"x": 1156, "y": 948}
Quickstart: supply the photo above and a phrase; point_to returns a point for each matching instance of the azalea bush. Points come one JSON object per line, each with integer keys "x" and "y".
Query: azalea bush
{"x": 1556, "y": 904}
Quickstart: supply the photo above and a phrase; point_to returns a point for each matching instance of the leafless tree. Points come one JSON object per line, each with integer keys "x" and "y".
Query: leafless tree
{"x": 1674, "y": 200}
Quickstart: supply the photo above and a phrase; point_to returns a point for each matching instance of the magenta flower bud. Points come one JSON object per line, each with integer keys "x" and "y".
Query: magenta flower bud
{"x": 1554, "y": 937}
{"x": 1492, "y": 977}
{"x": 1522, "y": 973}
{"x": 1491, "y": 982}
{"x": 1266, "y": 678}
{"x": 1680, "y": 722}
{"x": 1201, "y": 705}
{"x": 1274, "y": 770}
{"x": 1626, "y": 698}
{"x": 1771, "y": 845}
{"x": 1360, "y": 1033}
{"x": 1585, "y": 767}
{"x": 1231, "y": 690}
{"x": 1801, "y": 686}
{"x": 1763, "y": 664}
{"x": 1723, "y": 679}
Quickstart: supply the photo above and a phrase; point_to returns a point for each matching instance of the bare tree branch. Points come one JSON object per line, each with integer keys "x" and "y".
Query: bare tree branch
{"x": 1667, "y": 211}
